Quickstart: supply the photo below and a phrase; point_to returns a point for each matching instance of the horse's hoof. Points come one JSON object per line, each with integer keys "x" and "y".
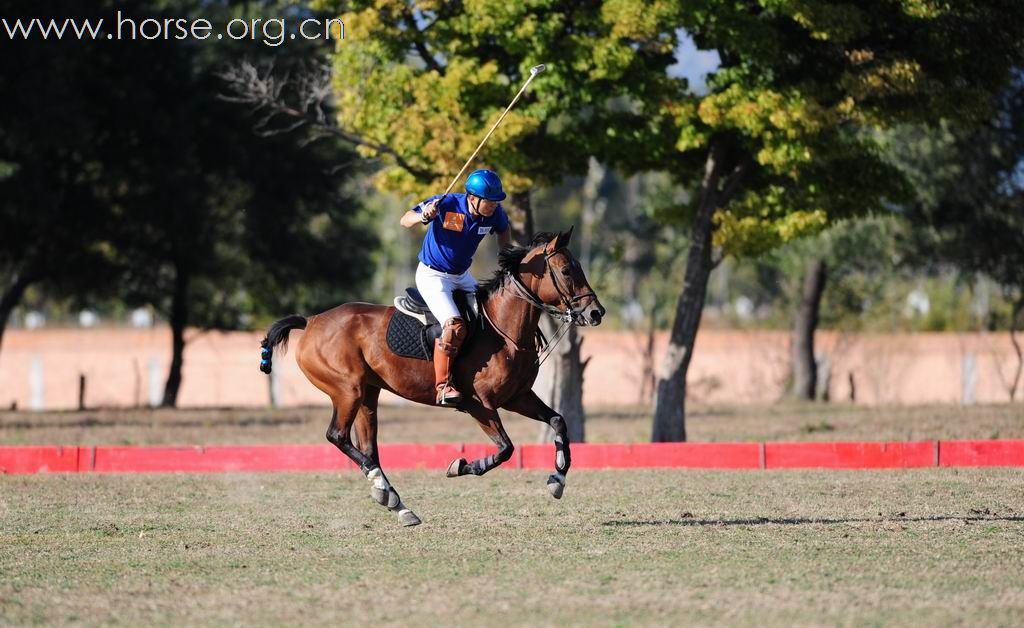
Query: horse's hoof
{"x": 456, "y": 468}
{"x": 556, "y": 487}
{"x": 408, "y": 518}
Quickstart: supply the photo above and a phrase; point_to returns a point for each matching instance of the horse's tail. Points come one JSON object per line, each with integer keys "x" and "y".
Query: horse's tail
{"x": 278, "y": 335}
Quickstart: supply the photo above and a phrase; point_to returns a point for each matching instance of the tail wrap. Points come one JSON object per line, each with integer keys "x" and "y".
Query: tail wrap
{"x": 278, "y": 335}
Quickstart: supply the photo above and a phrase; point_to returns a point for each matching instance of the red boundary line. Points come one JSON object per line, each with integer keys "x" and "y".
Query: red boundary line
{"x": 824, "y": 455}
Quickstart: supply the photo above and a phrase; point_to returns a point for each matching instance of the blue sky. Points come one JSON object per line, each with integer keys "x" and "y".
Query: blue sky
{"x": 693, "y": 64}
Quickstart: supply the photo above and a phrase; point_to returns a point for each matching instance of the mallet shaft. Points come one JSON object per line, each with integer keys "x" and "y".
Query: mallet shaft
{"x": 533, "y": 72}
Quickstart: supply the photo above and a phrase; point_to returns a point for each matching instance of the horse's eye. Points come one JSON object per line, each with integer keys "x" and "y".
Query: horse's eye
{"x": 566, "y": 271}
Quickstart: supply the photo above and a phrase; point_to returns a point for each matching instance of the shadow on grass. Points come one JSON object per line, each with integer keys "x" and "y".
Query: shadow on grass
{"x": 798, "y": 521}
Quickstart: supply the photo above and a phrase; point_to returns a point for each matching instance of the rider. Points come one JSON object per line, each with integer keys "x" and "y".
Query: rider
{"x": 457, "y": 225}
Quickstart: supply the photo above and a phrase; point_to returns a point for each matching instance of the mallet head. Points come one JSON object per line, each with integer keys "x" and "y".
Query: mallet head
{"x": 537, "y": 69}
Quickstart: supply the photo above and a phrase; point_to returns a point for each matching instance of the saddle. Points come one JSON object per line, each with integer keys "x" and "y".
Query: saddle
{"x": 412, "y": 330}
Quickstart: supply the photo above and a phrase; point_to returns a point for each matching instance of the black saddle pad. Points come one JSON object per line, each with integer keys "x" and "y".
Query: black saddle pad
{"x": 409, "y": 338}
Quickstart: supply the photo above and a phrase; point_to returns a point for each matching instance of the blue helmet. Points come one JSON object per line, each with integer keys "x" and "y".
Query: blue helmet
{"x": 485, "y": 184}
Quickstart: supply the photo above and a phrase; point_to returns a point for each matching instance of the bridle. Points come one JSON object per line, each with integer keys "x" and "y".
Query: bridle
{"x": 571, "y": 314}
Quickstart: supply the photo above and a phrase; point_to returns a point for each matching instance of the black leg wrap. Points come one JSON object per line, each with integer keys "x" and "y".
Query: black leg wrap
{"x": 483, "y": 465}
{"x": 478, "y": 467}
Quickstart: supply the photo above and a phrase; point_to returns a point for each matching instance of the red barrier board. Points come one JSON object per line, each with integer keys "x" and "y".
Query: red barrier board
{"x": 648, "y": 455}
{"x": 981, "y": 453}
{"x": 38, "y": 459}
{"x": 415, "y": 456}
{"x": 822, "y": 455}
{"x": 863, "y": 455}
{"x": 698, "y": 455}
{"x": 212, "y": 459}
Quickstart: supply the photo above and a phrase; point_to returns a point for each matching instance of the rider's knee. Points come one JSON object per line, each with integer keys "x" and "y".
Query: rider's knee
{"x": 452, "y": 335}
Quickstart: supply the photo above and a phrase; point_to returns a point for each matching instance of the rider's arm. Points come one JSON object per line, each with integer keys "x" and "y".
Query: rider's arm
{"x": 411, "y": 219}
{"x": 421, "y": 214}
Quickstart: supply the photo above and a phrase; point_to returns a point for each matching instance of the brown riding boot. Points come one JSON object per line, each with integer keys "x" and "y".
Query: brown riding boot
{"x": 447, "y": 394}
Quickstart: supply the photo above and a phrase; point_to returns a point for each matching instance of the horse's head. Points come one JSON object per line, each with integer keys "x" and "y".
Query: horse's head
{"x": 559, "y": 281}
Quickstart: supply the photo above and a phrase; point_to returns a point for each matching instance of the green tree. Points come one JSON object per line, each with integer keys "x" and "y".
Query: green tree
{"x": 781, "y": 134}
{"x": 854, "y": 259}
{"x": 969, "y": 209}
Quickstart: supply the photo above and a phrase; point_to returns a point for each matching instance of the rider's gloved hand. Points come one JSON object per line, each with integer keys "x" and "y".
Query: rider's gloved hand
{"x": 429, "y": 212}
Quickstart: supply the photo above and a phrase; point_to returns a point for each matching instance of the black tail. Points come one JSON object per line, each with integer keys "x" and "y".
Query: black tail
{"x": 278, "y": 335}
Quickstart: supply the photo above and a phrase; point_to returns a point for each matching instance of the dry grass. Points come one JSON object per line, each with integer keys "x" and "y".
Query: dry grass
{"x": 920, "y": 547}
{"x": 415, "y": 423}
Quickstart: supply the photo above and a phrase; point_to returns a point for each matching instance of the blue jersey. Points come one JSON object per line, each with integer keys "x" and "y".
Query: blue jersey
{"x": 454, "y": 234}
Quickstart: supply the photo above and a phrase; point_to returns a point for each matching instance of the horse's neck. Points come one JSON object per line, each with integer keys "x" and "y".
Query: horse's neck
{"x": 514, "y": 316}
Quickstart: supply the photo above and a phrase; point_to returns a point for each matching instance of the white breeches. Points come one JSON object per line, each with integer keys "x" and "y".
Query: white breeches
{"x": 437, "y": 287}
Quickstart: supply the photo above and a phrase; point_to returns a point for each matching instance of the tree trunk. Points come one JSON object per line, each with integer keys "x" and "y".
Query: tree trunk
{"x": 670, "y": 402}
{"x": 806, "y": 322}
{"x": 522, "y": 224}
{"x": 10, "y": 298}
{"x": 593, "y": 208}
{"x": 1018, "y": 308}
{"x": 179, "y": 320}
{"x": 648, "y": 380}
{"x": 563, "y": 383}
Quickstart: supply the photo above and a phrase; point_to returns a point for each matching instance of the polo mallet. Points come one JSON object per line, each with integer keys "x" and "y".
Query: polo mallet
{"x": 534, "y": 71}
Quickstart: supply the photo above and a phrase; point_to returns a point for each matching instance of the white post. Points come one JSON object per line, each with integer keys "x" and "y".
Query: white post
{"x": 156, "y": 393}
{"x": 36, "y": 384}
{"x": 969, "y": 379}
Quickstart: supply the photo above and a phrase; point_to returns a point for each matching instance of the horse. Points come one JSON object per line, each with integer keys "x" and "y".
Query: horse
{"x": 343, "y": 352}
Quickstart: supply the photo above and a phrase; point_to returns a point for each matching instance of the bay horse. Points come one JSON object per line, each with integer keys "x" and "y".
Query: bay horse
{"x": 344, "y": 353}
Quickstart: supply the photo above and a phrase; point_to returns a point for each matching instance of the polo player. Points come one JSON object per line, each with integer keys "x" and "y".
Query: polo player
{"x": 457, "y": 223}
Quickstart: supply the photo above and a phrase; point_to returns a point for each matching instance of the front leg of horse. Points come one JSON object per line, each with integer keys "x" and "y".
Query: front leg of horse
{"x": 530, "y": 405}
{"x": 490, "y": 423}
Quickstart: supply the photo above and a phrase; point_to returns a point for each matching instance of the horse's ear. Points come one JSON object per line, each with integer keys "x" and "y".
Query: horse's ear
{"x": 562, "y": 240}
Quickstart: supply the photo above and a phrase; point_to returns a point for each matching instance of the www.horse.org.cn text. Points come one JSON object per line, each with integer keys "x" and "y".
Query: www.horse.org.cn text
{"x": 269, "y": 31}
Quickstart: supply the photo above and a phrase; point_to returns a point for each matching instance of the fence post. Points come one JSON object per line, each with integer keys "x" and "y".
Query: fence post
{"x": 969, "y": 379}
{"x": 36, "y": 384}
{"x": 156, "y": 393}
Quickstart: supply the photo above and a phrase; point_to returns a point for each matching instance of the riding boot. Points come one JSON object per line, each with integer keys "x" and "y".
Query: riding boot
{"x": 447, "y": 394}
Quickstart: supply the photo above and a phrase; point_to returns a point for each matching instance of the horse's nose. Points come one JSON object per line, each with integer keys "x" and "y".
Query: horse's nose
{"x": 596, "y": 315}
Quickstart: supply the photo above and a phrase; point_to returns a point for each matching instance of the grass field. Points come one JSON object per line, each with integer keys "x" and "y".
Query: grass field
{"x": 413, "y": 423}
{"x": 922, "y": 547}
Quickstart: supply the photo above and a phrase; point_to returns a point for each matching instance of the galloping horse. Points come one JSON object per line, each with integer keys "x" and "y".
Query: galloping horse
{"x": 343, "y": 352}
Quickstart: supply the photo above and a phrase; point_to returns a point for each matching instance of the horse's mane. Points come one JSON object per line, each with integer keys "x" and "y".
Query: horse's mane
{"x": 509, "y": 259}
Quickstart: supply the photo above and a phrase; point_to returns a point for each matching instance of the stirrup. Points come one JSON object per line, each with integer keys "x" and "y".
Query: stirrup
{"x": 448, "y": 396}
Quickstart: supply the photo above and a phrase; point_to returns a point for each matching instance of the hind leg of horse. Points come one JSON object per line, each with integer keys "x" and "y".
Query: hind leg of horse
{"x": 490, "y": 423}
{"x": 361, "y": 407}
{"x": 530, "y": 405}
